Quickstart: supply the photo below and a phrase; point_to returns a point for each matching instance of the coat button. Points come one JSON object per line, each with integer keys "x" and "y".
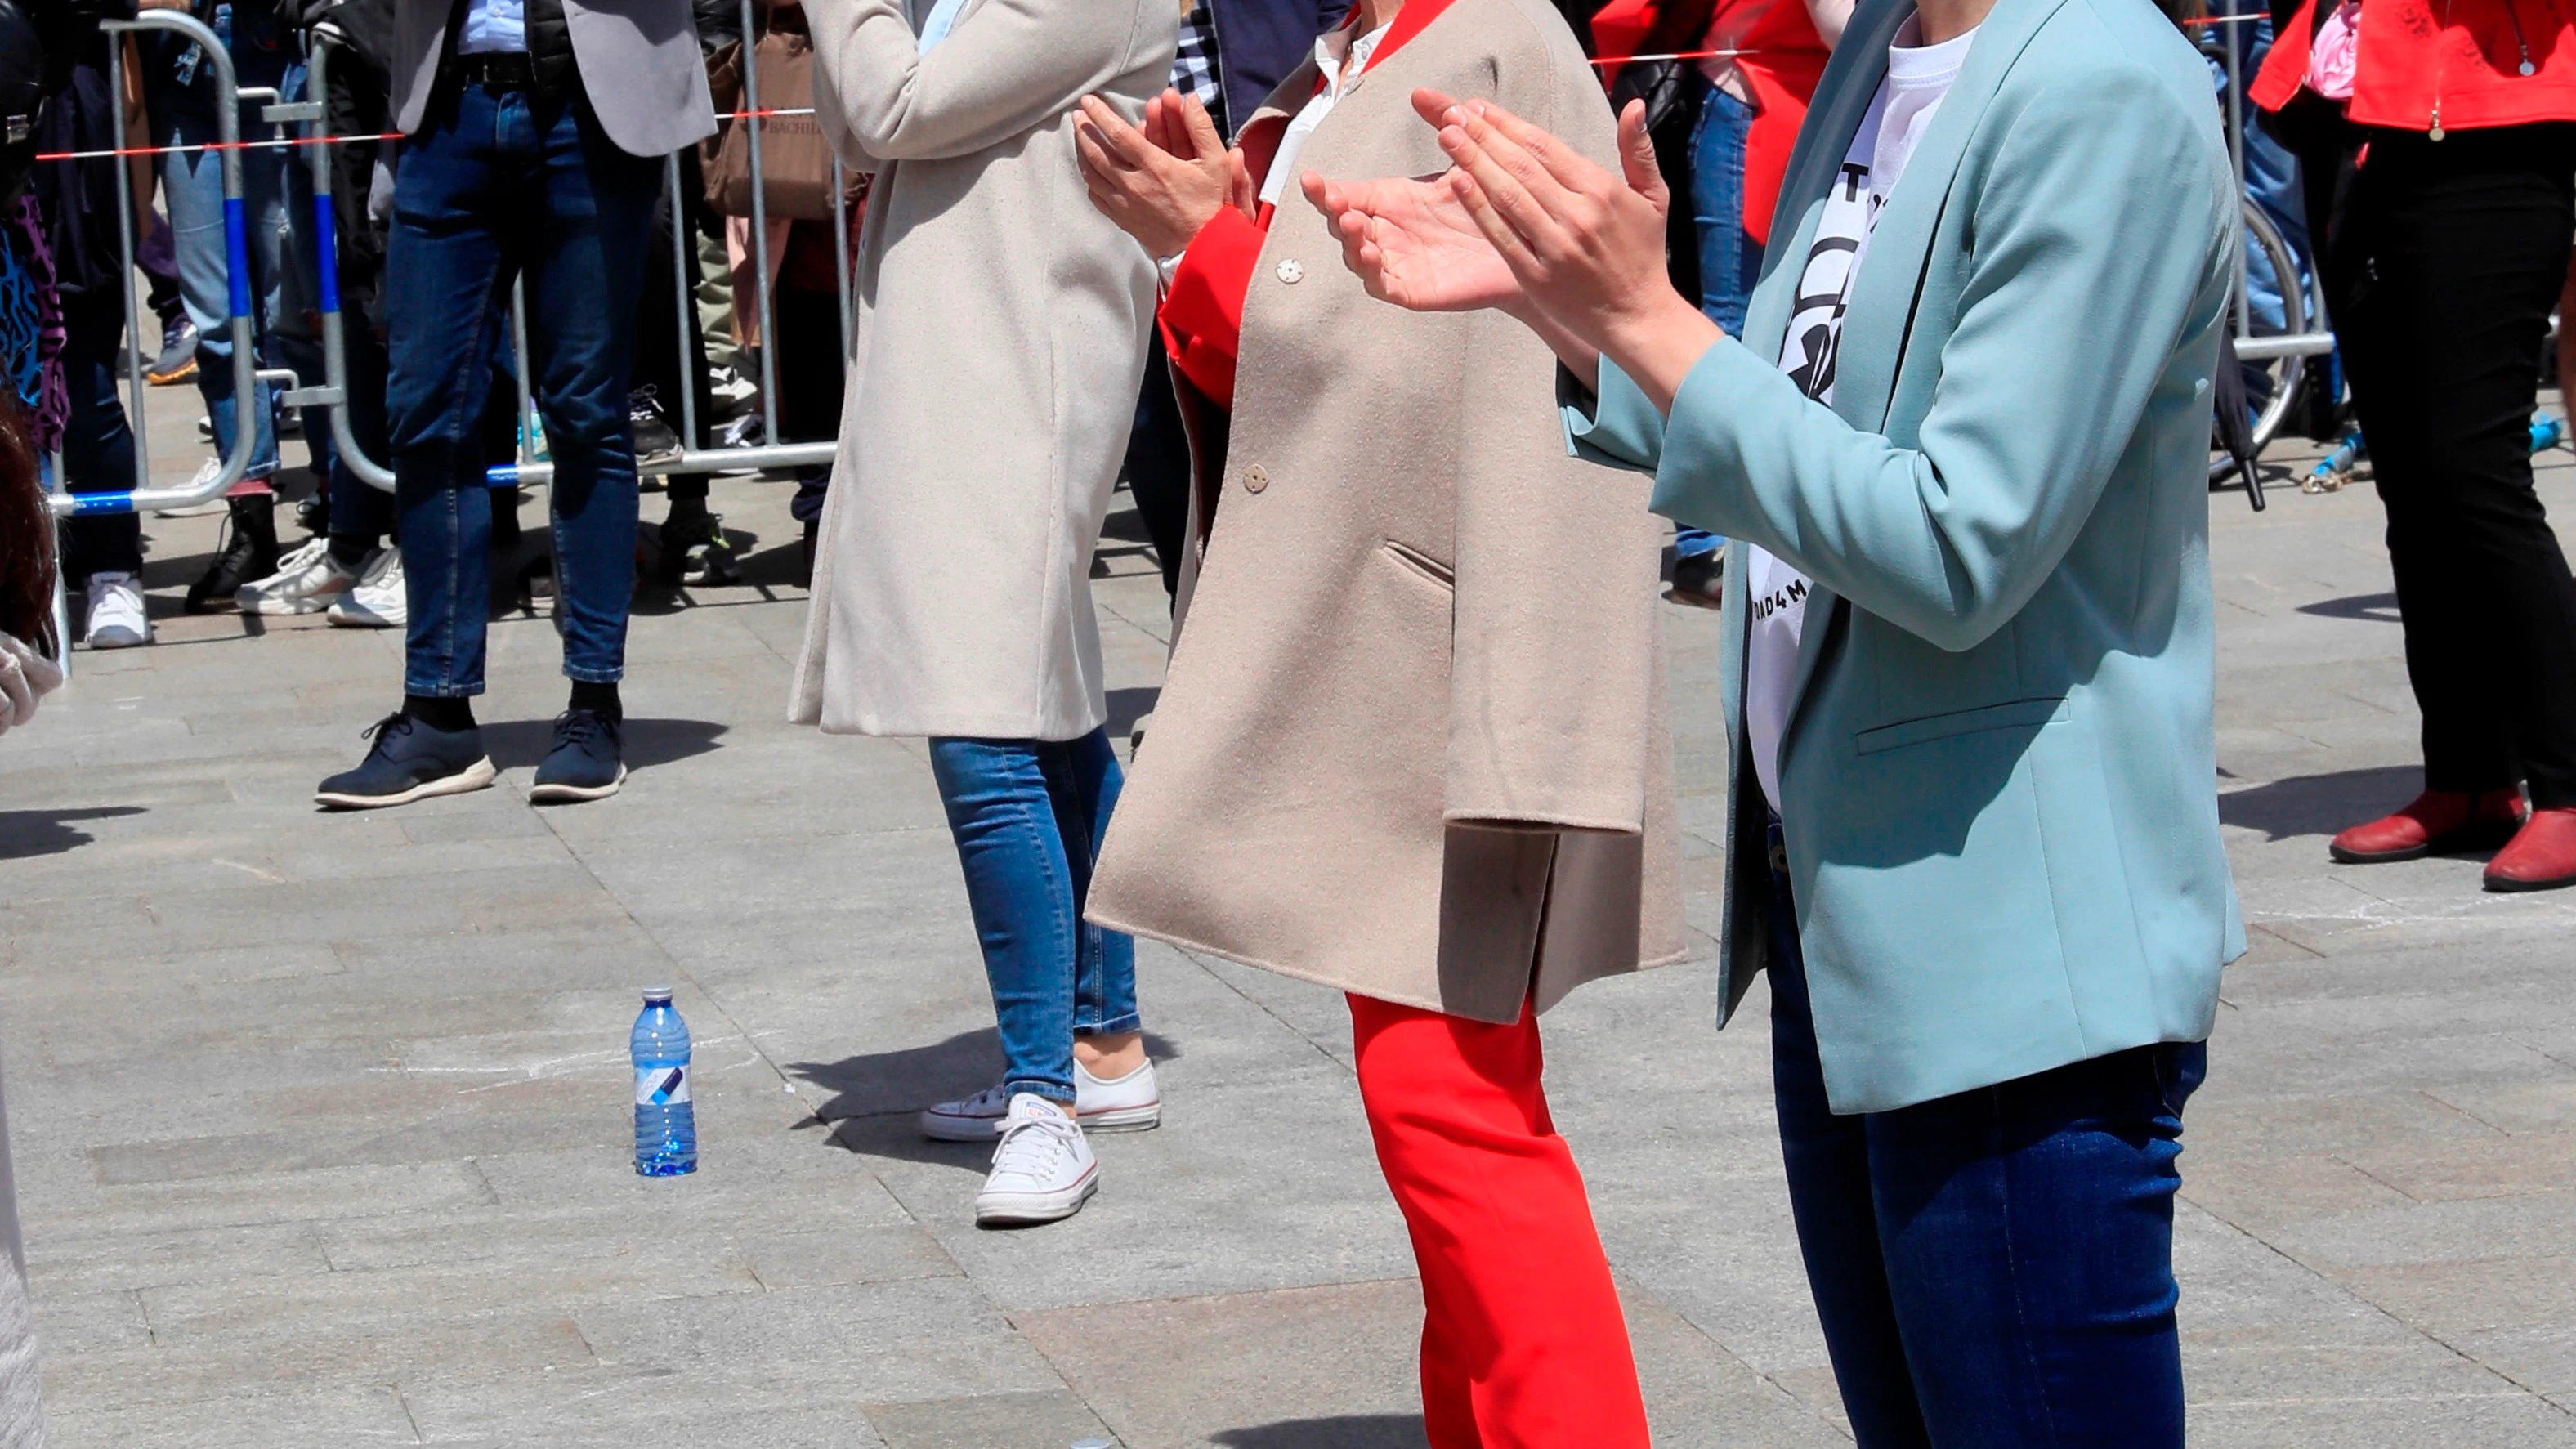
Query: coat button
{"x": 1291, "y": 270}
{"x": 1255, "y": 478}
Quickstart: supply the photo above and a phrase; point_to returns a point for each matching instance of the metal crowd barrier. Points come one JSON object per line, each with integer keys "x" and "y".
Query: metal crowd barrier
{"x": 246, "y": 374}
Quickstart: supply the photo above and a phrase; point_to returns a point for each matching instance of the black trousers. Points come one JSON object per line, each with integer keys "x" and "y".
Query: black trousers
{"x": 2442, "y": 263}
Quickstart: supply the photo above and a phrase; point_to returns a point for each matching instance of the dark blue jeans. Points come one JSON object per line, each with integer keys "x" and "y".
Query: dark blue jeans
{"x": 1993, "y": 1270}
{"x": 495, "y": 185}
{"x": 1028, "y": 816}
{"x": 98, "y": 445}
{"x": 1730, "y": 260}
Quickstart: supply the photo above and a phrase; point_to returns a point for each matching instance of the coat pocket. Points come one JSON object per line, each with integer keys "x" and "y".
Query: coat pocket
{"x": 2013, "y": 714}
{"x": 1422, "y": 563}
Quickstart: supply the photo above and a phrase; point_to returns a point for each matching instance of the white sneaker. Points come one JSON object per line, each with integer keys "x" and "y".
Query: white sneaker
{"x": 376, "y": 601}
{"x": 1129, "y": 1104}
{"x": 1042, "y": 1170}
{"x": 307, "y": 581}
{"x": 117, "y": 619}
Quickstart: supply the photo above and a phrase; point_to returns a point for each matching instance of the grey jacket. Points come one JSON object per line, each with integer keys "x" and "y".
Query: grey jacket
{"x": 639, "y": 61}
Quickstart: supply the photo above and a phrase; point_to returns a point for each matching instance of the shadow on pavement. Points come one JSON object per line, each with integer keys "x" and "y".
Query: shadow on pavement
{"x": 1126, "y": 706}
{"x": 874, "y": 1096}
{"x": 26, "y": 833}
{"x": 1345, "y": 1431}
{"x": 519, "y": 744}
{"x": 2320, "y": 804}
{"x": 2377, "y": 608}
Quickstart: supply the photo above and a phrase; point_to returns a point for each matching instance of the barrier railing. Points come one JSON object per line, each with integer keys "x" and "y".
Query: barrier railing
{"x": 246, "y": 370}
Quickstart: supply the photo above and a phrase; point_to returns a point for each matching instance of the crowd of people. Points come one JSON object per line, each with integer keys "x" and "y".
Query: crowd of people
{"x": 1412, "y": 324}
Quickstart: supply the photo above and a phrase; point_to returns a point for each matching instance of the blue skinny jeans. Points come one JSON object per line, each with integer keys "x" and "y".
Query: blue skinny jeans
{"x": 1994, "y": 1269}
{"x": 495, "y": 184}
{"x": 1028, "y": 816}
{"x": 1730, "y": 260}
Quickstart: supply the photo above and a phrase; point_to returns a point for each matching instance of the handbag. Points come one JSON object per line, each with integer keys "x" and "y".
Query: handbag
{"x": 795, "y": 159}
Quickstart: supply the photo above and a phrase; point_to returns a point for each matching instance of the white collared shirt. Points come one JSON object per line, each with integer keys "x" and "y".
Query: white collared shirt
{"x": 1341, "y": 59}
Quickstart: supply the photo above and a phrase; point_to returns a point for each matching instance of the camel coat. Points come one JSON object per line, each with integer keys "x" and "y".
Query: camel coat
{"x": 1001, "y": 328}
{"x": 1412, "y": 741}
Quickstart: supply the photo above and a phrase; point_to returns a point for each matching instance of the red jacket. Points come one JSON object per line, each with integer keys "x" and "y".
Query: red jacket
{"x": 1785, "y": 59}
{"x": 2452, "y": 63}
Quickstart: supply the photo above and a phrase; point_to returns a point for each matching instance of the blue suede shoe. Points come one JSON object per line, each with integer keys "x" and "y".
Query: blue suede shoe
{"x": 585, "y": 763}
{"x": 410, "y": 762}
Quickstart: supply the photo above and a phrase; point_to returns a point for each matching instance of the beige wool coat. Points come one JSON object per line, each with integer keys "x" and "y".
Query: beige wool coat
{"x": 1412, "y": 742}
{"x": 1001, "y": 327}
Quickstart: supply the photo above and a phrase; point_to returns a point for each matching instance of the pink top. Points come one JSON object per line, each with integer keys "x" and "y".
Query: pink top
{"x": 2332, "y": 60}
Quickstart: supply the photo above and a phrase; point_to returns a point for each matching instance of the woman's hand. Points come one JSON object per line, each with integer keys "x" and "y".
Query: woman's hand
{"x": 1160, "y": 184}
{"x": 1412, "y": 243}
{"x": 1587, "y": 247}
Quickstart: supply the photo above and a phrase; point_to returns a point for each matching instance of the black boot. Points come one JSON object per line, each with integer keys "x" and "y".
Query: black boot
{"x": 250, "y": 555}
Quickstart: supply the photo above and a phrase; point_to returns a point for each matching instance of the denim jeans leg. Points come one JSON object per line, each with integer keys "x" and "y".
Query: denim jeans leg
{"x": 193, "y": 184}
{"x": 1087, "y": 786}
{"x": 2028, "y": 1230}
{"x": 1019, "y": 884}
{"x": 98, "y": 445}
{"x": 446, "y": 250}
{"x": 1827, "y": 1157}
{"x": 1729, "y": 258}
{"x": 585, "y": 273}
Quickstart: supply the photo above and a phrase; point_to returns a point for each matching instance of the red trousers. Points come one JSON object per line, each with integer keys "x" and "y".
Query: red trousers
{"x": 1523, "y": 1344}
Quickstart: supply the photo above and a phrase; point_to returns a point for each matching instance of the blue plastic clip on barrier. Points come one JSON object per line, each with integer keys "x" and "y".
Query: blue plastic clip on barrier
{"x": 237, "y": 254}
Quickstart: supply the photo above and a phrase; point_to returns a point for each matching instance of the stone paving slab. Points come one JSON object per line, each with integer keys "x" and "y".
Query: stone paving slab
{"x": 321, "y": 1134}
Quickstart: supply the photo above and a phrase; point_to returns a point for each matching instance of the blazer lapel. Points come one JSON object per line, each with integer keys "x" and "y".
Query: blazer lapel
{"x": 1843, "y": 95}
{"x": 1881, "y": 309}
{"x": 1882, "y": 305}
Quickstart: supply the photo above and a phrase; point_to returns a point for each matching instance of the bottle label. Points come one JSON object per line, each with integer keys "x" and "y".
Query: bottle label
{"x": 661, "y": 1086}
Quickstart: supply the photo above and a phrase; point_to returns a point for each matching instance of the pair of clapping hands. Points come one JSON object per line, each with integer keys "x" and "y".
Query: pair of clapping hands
{"x": 1519, "y": 223}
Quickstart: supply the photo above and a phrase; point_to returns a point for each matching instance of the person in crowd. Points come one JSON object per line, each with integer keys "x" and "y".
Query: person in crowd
{"x": 27, "y": 674}
{"x": 1762, "y": 60}
{"x": 179, "y": 94}
{"x": 2440, "y": 164}
{"x": 1411, "y": 743}
{"x": 1969, "y": 656}
{"x": 1230, "y": 64}
{"x": 348, "y": 571}
{"x": 994, "y": 382}
{"x": 77, "y": 200}
{"x": 532, "y": 146}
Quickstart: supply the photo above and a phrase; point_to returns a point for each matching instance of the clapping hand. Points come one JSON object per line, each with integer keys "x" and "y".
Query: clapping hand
{"x": 1163, "y": 182}
{"x": 1583, "y": 249}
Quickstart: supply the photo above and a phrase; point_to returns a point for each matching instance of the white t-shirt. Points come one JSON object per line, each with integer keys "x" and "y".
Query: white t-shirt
{"x": 1918, "y": 76}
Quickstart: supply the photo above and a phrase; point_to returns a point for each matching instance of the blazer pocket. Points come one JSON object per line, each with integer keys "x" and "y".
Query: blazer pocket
{"x": 1422, "y": 563}
{"x": 2014, "y": 714}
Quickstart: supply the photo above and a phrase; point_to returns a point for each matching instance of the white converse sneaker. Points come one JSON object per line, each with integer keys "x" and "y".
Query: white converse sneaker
{"x": 307, "y": 581}
{"x": 377, "y": 600}
{"x": 117, "y": 618}
{"x": 1130, "y": 1103}
{"x": 972, "y": 1119}
{"x": 1042, "y": 1170}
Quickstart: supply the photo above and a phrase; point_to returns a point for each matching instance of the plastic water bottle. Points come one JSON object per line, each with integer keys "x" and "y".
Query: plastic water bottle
{"x": 2547, "y": 432}
{"x": 666, "y": 1125}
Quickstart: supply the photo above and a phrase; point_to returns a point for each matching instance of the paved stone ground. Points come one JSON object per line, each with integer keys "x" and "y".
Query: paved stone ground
{"x": 322, "y": 1134}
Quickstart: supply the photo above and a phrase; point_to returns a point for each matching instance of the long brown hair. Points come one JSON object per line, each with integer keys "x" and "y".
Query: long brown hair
{"x": 26, "y": 537}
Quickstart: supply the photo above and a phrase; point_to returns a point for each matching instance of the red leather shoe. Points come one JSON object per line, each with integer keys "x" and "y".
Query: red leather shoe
{"x": 2541, "y": 857}
{"x": 2437, "y": 822}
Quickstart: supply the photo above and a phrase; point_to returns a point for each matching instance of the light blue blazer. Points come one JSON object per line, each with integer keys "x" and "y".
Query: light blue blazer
{"x": 1999, "y": 769}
